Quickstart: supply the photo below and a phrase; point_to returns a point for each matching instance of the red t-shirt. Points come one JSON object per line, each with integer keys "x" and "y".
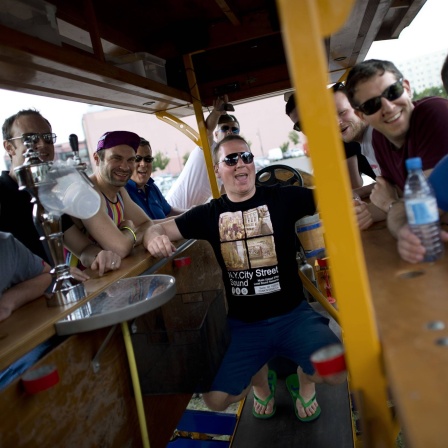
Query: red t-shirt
{"x": 427, "y": 138}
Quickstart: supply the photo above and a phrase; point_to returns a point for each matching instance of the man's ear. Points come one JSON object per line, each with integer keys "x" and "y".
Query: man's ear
{"x": 96, "y": 158}
{"x": 407, "y": 87}
{"x": 216, "y": 169}
{"x": 359, "y": 114}
{"x": 9, "y": 148}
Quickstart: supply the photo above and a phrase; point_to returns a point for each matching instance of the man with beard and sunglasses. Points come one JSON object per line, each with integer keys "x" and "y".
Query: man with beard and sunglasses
{"x": 251, "y": 230}
{"x": 192, "y": 187}
{"x": 357, "y": 164}
{"x": 403, "y": 129}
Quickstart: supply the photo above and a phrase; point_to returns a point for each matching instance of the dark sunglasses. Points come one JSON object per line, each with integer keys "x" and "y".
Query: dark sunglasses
{"x": 336, "y": 87}
{"x": 233, "y": 129}
{"x": 35, "y": 137}
{"x": 147, "y": 159}
{"x": 392, "y": 93}
{"x": 232, "y": 159}
{"x": 297, "y": 126}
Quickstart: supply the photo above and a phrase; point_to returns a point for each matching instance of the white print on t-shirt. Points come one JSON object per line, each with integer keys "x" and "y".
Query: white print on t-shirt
{"x": 248, "y": 250}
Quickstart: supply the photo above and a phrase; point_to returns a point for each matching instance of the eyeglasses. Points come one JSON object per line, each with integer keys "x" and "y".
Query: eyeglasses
{"x": 297, "y": 126}
{"x": 232, "y": 159}
{"x": 147, "y": 159}
{"x": 35, "y": 137}
{"x": 338, "y": 86}
{"x": 373, "y": 105}
{"x": 233, "y": 129}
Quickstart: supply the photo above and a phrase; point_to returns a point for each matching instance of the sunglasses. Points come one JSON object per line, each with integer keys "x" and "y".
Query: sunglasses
{"x": 373, "y": 105}
{"x": 338, "y": 86}
{"x": 233, "y": 129}
{"x": 232, "y": 159}
{"x": 35, "y": 137}
{"x": 297, "y": 126}
{"x": 147, "y": 159}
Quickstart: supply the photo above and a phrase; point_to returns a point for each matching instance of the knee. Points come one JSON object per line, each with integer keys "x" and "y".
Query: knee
{"x": 216, "y": 401}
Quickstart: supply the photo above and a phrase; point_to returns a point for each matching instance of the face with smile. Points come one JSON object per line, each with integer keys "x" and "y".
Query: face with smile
{"x": 393, "y": 118}
{"x": 238, "y": 180}
{"x": 143, "y": 169}
{"x": 352, "y": 127}
{"x": 225, "y": 129}
{"x": 29, "y": 124}
{"x": 118, "y": 165}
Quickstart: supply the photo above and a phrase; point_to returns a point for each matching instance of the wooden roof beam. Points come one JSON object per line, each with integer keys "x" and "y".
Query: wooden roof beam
{"x": 227, "y": 10}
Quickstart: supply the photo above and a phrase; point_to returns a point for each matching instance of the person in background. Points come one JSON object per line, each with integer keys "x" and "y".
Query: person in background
{"x": 354, "y": 129}
{"x": 142, "y": 188}
{"x": 352, "y": 152}
{"x": 25, "y": 276}
{"x": 120, "y": 223}
{"x": 192, "y": 187}
{"x": 16, "y": 209}
{"x": 252, "y": 232}
{"x": 355, "y": 162}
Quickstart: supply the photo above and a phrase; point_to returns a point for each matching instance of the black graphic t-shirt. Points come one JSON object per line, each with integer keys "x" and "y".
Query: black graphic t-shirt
{"x": 255, "y": 244}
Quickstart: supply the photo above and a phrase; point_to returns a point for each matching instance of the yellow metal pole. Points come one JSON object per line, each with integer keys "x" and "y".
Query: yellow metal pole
{"x": 135, "y": 384}
{"x": 319, "y": 296}
{"x": 180, "y": 126}
{"x": 201, "y": 125}
{"x": 305, "y": 23}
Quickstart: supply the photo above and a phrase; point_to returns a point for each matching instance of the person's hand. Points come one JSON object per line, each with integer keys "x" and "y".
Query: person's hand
{"x": 78, "y": 274}
{"x": 218, "y": 104}
{"x": 363, "y": 215}
{"x": 160, "y": 246}
{"x": 105, "y": 261}
{"x": 383, "y": 194}
{"x": 410, "y": 247}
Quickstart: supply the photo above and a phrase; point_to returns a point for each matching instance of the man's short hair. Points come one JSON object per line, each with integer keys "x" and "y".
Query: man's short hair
{"x": 290, "y": 104}
{"x": 7, "y": 124}
{"x": 445, "y": 74}
{"x": 339, "y": 87}
{"x": 366, "y": 70}
{"x": 226, "y": 118}
{"x": 225, "y": 140}
{"x": 144, "y": 142}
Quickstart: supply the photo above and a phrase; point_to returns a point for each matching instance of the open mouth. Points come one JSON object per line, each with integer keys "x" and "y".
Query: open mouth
{"x": 394, "y": 118}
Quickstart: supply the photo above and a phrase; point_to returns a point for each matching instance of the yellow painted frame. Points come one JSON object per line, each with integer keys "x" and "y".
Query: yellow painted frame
{"x": 304, "y": 24}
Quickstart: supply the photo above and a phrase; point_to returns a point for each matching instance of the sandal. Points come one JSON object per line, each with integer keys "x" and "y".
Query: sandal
{"x": 293, "y": 385}
{"x": 272, "y": 381}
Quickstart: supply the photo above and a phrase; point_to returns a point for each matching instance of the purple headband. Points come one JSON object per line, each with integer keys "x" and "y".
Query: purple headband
{"x": 116, "y": 138}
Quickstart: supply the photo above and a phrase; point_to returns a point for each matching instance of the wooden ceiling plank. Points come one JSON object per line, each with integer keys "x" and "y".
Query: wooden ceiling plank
{"x": 229, "y": 12}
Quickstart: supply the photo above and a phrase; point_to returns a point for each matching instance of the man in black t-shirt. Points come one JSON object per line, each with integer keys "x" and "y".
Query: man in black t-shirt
{"x": 252, "y": 232}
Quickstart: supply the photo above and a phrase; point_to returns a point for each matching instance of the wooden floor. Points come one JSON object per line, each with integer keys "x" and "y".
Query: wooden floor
{"x": 331, "y": 430}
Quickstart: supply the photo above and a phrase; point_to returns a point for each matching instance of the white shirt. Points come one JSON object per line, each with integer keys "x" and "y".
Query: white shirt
{"x": 192, "y": 187}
